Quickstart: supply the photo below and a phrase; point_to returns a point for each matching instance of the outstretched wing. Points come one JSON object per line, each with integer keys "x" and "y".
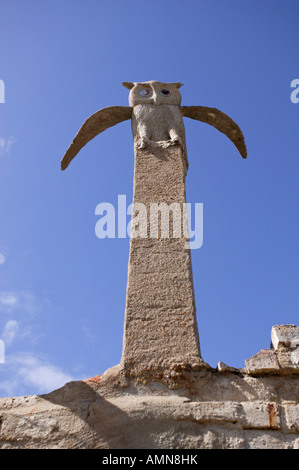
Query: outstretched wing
{"x": 220, "y": 121}
{"x": 94, "y": 125}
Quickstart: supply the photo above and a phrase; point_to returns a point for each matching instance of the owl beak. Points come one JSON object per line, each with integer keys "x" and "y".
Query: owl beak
{"x": 153, "y": 99}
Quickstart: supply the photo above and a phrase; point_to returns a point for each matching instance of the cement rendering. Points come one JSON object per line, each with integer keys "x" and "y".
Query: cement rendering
{"x": 179, "y": 408}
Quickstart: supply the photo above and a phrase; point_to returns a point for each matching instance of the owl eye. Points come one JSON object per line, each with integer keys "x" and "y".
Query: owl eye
{"x": 165, "y": 92}
{"x": 144, "y": 92}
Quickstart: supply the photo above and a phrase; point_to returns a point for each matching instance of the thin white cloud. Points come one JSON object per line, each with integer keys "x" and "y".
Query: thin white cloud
{"x": 5, "y": 144}
{"x": 30, "y": 373}
{"x": 10, "y": 331}
{"x": 22, "y": 301}
{"x": 8, "y": 300}
{"x": 2, "y": 258}
{"x": 89, "y": 335}
{"x": 31, "y": 303}
{"x": 45, "y": 377}
{"x": 9, "y": 387}
{"x": 25, "y": 373}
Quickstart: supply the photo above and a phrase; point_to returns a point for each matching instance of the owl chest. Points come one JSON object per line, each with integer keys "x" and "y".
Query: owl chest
{"x": 154, "y": 122}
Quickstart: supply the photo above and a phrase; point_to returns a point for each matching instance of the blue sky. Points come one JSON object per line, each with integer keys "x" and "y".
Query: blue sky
{"x": 62, "y": 289}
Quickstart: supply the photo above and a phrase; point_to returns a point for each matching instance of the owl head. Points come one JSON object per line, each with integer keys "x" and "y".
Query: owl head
{"x": 153, "y": 92}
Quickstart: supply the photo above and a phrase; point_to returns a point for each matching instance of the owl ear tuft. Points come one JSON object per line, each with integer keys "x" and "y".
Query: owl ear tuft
{"x": 178, "y": 84}
{"x": 128, "y": 85}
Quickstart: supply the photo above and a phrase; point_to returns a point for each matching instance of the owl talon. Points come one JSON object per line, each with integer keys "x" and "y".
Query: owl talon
{"x": 168, "y": 143}
{"x": 141, "y": 143}
{"x": 176, "y": 141}
{"x": 164, "y": 144}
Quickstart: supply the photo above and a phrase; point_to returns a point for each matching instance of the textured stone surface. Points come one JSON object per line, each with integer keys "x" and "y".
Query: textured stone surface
{"x": 195, "y": 409}
{"x": 94, "y": 125}
{"x": 163, "y": 395}
{"x": 175, "y": 407}
{"x": 152, "y": 123}
{"x": 285, "y": 335}
{"x": 263, "y": 361}
{"x": 220, "y": 121}
{"x": 160, "y": 319}
{"x": 284, "y": 358}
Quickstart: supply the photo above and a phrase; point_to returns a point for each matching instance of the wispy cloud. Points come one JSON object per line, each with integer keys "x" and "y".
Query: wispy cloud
{"x": 32, "y": 304}
{"x": 25, "y": 301}
{"x": 89, "y": 334}
{"x": 19, "y": 323}
{"x": 10, "y": 331}
{"x": 5, "y": 144}
{"x": 44, "y": 376}
{"x": 30, "y": 374}
{"x": 27, "y": 372}
{"x": 8, "y": 301}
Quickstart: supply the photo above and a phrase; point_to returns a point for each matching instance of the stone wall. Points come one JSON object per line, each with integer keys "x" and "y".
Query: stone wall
{"x": 254, "y": 407}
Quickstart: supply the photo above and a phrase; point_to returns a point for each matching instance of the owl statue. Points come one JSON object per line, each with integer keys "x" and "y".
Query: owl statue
{"x": 157, "y": 120}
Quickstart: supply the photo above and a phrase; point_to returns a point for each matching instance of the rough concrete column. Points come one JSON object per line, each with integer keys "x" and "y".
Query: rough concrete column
{"x": 160, "y": 327}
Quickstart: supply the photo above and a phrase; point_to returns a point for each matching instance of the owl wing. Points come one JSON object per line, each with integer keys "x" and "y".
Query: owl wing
{"x": 220, "y": 121}
{"x": 94, "y": 125}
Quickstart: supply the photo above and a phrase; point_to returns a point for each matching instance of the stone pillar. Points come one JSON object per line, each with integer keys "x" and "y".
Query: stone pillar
{"x": 160, "y": 327}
